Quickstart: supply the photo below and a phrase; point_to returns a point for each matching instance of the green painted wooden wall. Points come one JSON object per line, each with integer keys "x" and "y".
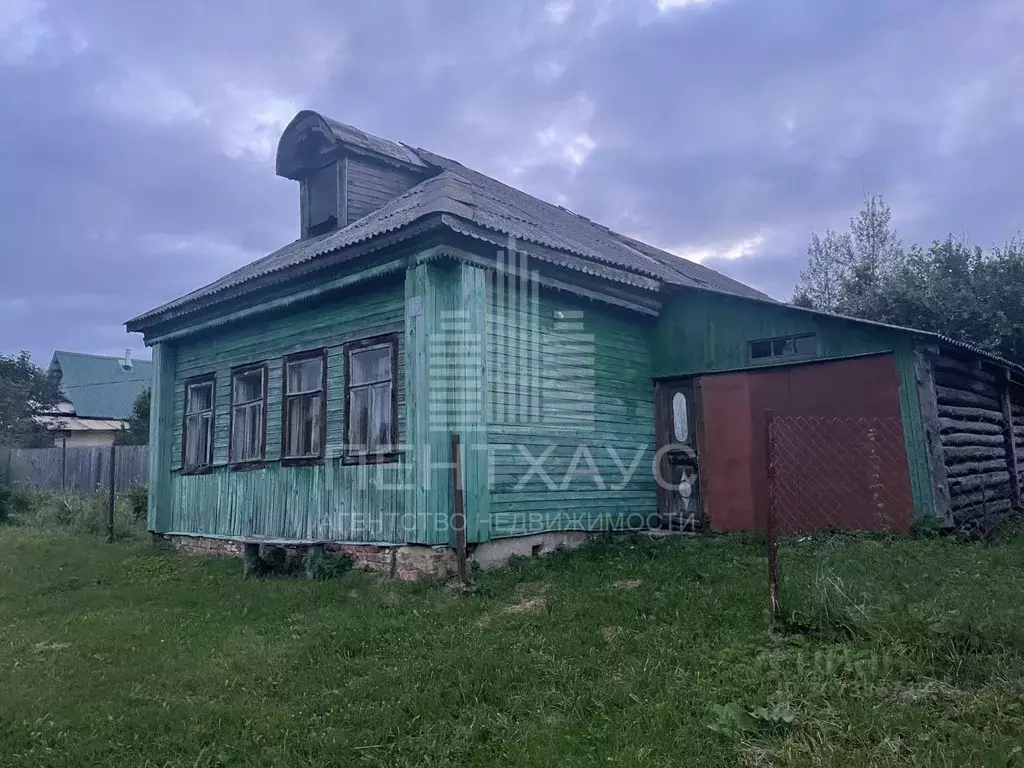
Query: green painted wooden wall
{"x": 332, "y": 500}
{"x": 702, "y": 332}
{"x": 570, "y": 380}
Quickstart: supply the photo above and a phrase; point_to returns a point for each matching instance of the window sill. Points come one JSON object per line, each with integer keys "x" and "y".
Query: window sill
{"x": 389, "y": 457}
{"x": 206, "y": 470}
{"x": 302, "y": 461}
{"x": 245, "y": 466}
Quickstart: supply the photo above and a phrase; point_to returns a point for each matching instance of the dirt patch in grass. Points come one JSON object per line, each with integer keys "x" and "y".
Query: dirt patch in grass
{"x": 627, "y": 584}
{"x": 534, "y": 604}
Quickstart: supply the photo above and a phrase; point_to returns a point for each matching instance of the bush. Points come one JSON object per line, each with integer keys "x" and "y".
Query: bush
{"x": 14, "y": 500}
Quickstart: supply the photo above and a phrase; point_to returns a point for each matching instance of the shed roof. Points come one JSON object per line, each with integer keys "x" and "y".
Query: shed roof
{"x": 98, "y": 386}
{"x": 468, "y": 198}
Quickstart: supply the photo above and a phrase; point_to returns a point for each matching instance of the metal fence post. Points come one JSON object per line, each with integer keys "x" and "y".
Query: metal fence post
{"x": 64, "y": 464}
{"x": 771, "y": 531}
{"x": 111, "y": 498}
{"x": 459, "y": 513}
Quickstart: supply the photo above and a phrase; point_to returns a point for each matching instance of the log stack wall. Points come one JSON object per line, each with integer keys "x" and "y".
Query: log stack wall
{"x": 1017, "y": 429}
{"x": 976, "y": 442}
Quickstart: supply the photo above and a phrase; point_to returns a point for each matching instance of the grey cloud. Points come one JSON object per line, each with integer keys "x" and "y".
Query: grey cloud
{"x": 135, "y": 158}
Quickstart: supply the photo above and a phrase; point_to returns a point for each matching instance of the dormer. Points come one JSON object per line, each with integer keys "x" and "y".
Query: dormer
{"x": 343, "y": 173}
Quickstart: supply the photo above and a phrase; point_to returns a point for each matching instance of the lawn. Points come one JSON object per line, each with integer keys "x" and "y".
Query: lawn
{"x": 628, "y": 653}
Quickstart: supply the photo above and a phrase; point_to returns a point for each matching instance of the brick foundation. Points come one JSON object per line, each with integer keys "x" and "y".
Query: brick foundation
{"x": 409, "y": 563}
{"x": 207, "y": 547}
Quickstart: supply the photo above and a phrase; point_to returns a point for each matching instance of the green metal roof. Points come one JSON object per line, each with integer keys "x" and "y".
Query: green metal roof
{"x": 98, "y": 386}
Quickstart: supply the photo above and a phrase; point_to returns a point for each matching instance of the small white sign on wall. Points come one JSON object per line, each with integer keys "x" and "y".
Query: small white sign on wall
{"x": 415, "y": 306}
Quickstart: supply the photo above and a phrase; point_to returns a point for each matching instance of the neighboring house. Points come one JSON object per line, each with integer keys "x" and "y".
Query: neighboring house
{"x": 311, "y": 397}
{"x": 97, "y": 395}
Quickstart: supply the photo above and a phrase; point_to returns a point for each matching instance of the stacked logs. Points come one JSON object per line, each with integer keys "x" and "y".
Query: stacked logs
{"x": 974, "y": 439}
{"x": 1017, "y": 408}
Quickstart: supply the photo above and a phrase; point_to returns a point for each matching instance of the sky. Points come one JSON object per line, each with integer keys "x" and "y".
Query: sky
{"x": 137, "y": 139}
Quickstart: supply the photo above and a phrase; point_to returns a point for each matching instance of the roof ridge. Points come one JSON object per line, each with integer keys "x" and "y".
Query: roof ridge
{"x": 101, "y": 357}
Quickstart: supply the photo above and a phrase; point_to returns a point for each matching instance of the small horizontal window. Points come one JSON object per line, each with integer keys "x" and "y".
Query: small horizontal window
{"x": 803, "y": 345}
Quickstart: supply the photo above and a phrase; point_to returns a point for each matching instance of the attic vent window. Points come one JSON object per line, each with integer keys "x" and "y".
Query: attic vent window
{"x": 784, "y": 347}
{"x": 322, "y": 208}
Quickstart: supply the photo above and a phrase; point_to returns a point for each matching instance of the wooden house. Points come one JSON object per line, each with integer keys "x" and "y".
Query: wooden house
{"x": 436, "y": 339}
{"x": 97, "y": 394}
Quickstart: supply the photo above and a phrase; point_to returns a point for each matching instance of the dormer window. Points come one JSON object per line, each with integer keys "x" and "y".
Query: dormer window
{"x": 322, "y": 201}
{"x": 343, "y": 173}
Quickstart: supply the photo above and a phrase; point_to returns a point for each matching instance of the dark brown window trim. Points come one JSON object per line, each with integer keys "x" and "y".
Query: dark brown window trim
{"x": 205, "y": 378}
{"x": 247, "y": 464}
{"x": 304, "y": 461}
{"x": 392, "y": 454}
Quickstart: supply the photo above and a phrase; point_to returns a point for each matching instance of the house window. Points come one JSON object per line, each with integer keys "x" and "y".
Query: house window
{"x": 802, "y": 345}
{"x": 248, "y": 414}
{"x": 371, "y": 403}
{"x": 322, "y": 200}
{"x": 197, "y": 434}
{"x": 304, "y": 405}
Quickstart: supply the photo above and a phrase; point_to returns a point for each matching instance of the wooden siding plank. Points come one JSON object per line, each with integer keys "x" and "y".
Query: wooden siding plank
{"x": 290, "y": 502}
{"x": 585, "y": 403}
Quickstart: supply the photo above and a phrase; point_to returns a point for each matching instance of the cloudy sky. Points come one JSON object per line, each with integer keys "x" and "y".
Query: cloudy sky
{"x": 137, "y": 138}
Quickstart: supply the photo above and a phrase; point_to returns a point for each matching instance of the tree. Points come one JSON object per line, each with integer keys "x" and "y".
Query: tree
{"x": 822, "y": 280}
{"x": 951, "y": 287}
{"x": 137, "y": 431}
{"x": 875, "y": 256}
{"x": 26, "y": 391}
{"x": 846, "y": 270}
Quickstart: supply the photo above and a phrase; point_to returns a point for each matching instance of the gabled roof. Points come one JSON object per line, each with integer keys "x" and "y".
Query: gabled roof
{"x": 98, "y": 386}
{"x": 477, "y": 205}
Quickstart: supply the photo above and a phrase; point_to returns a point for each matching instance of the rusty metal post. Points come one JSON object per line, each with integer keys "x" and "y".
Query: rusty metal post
{"x": 64, "y": 464}
{"x": 111, "y": 498}
{"x": 771, "y": 528}
{"x": 459, "y": 512}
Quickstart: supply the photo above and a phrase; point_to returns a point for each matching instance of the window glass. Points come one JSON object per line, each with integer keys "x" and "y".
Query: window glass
{"x": 803, "y": 345}
{"x": 680, "y": 418}
{"x": 247, "y": 412}
{"x": 371, "y": 365}
{"x": 305, "y": 376}
{"x": 304, "y": 409}
{"x": 759, "y": 349}
{"x": 198, "y": 437}
{"x": 806, "y": 345}
{"x": 371, "y": 399}
{"x": 248, "y": 386}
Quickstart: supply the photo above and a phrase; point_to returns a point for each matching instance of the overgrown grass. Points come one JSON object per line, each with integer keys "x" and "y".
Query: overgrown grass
{"x": 632, "y": 653}
{"x": 51, "y": 511}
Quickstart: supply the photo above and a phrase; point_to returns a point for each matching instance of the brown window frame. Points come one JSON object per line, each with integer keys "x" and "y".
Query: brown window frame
{"x": 260, "y": 461}
{"x": 311, "y": 354}
{"x": 392, "y": 453}
{"x": 207, "y": 468}
{"x": 782, "y": 357}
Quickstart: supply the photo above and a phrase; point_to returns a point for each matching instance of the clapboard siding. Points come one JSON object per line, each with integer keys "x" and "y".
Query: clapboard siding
{"x": 370, "y": 185}
{"x": 569, "y": 380}
{"x": 334, "y": 501}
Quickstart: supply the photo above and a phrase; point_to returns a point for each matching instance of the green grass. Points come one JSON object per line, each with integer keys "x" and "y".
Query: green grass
{"x": 637, "y": 653}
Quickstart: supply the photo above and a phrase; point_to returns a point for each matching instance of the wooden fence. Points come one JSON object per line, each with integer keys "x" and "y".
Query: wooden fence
{"x": 81, "y": 471}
